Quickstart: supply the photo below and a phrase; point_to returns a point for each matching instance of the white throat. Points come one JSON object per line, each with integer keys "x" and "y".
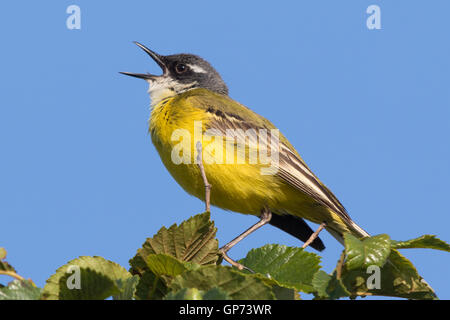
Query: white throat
{"x": 164, "y": 87}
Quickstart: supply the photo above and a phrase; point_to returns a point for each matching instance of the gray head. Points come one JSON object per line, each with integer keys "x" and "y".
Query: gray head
{"x": 181, "y": 72}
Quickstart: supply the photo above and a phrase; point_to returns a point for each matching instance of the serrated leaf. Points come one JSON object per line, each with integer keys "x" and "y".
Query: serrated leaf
{"x": 151, "y": 287}
{"x": 20, "y": 290}
{"x": 195, "y": 294}
{"x": 291, "y": 267}
{"x": 161, "y": 269}
{"x": 426, "y": 241}
{"x": 162, "y": 264}
{"x": 320, "y": 283}
{"x": 95, "y": 286}
{"x": 236, "y": 284}
{"x": 283, "y": 293}
{"x": 127, "y": 288}
{"x": 98, "y": 280}
{"x": 328, "y": 286}
{"x": 193, "y": 240}
{"x": 366, "y": 252}
{"x": 398, "y": 278}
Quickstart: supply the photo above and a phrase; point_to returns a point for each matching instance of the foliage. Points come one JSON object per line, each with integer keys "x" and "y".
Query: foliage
{"x": 183, "y": 263}
{"x": 20, "y": 290}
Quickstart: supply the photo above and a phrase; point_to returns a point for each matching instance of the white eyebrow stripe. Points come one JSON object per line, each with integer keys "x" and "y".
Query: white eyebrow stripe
{"x": 196, "y": 69}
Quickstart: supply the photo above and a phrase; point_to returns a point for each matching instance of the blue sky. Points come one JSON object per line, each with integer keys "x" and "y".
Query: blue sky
{"x": 369, "y": 111}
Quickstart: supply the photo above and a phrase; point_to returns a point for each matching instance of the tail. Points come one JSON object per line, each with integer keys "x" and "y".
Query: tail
{"x": 353, "y": 229}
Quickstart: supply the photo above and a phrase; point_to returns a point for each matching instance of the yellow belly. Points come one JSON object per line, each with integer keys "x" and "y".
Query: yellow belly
{"x": 236, "y": 187}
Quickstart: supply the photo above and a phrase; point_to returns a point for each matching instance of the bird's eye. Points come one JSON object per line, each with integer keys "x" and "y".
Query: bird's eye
{"x": 180, "y": 68}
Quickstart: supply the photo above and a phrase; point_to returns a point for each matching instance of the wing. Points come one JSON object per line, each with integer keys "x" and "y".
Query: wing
{"x": 226, "y": 113}
{"x": 294, "y": 171}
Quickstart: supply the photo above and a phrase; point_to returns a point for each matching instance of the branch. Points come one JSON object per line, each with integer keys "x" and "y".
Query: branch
{"x": 205, "y": 180}
{"x": 340, "y": 265}
{"x": 12, "y": 274}
{"x": 314, "y": 235}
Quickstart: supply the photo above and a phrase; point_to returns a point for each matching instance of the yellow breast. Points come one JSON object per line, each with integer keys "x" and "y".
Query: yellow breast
{"x": 236, "y": 187}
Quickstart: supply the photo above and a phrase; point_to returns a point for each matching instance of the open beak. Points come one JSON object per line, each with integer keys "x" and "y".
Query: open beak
{"x": 156, "y": 57}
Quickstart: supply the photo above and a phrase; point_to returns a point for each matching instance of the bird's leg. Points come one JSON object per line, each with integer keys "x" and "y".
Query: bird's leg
{"x": 314, "y": 235}
{"x": 205, "y": 180}
{"x": 265, "y": 217}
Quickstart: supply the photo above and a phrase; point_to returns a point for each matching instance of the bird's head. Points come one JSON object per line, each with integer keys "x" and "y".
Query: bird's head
{"x": 180, "y": 72}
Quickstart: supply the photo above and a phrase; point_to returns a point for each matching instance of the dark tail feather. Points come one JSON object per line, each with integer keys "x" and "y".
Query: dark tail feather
{"x": 296, "y": 227}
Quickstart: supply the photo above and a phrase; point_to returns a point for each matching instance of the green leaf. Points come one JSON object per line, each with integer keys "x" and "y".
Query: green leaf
{"x": 216, "y": 294}
{"x": 97, "y": 280}
{"x": 328, "y": 286}
{"x": 426, "y": 241}
{"x": 283, "y": 293}
{"x": 236, "y": 284}
{"x": 162, "y": 264}
{"x": 366, "y": 252}
{"x": 185, "y": 294}
{"x": 195, "y": 294}
{"x": 172, "y": 251}
{"x": 95, "y": 286}
{"x": 161, "y": 269}
{"x": 20, "y": 290}
{"x": 280, "y": 291}
{"x": 320, "y": 283}
{"x": 288, "y": 266}
{"x": 151, "y": 287}
{"x": 127, "y": 288}
{"x": 398, "y": 278}
{"x": 193, "y": 240}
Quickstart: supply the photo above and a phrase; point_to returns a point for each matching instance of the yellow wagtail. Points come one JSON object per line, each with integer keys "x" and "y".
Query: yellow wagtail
{"x": 190, "y": 104}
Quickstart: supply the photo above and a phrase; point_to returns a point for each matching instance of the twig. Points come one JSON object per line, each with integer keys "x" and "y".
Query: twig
{"x": 340, "y": 265}
{"x": 265, "y": 218}
{"x": 205, "y": 180}
{"x": 12, "y": 274}
{"x": 314, "y": 235}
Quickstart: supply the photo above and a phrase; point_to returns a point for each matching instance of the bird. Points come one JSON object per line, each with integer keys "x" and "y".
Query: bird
{"x": 191, "y": 92}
